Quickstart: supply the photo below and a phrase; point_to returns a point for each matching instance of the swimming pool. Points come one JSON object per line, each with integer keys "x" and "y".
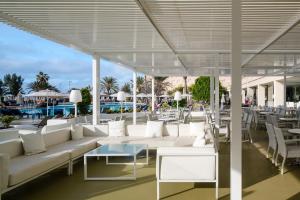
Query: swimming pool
{"x": 66, "y": 109}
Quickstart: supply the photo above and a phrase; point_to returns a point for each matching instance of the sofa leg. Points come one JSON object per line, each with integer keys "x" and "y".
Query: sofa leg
{"x": 70, "y": 168}
{"x": 217, "y": 190}
{"x": 157, "y": 190}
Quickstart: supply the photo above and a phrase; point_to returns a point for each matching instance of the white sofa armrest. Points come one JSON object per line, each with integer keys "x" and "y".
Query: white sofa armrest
{"x": 187, "y": 164}
{"x": 4, "y": 165}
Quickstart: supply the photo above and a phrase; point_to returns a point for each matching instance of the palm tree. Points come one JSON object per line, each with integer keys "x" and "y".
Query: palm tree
{"x": 161, "y": 85}
{"x": 185, "y": 89}
{"x": 42, "y": 77}
{"x": 13, "y": 83}
{"x": 3, "y": 89}
{"x": 109, "y": 85}
{"x": 41, "y": 83}
{"x": 126, "y": 87}
{"x": 140, "y": 84}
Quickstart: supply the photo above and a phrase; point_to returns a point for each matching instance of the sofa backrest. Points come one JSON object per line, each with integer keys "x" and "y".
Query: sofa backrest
{"x": 139, "y": 130}
{"x": 95, "y": 131}
{"x": 12, "y": 147}
{"x": 184, "y": 130}
{"x": 49, "y": 128}
{"x": 57, "y": 136}
{"x": 8, "y": 134}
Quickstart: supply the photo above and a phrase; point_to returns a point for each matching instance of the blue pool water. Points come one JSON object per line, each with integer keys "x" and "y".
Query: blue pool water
{"x": 66, "y": 109}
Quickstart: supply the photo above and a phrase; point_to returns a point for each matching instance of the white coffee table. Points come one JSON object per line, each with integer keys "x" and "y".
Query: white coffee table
{"x": 117, "y": 150}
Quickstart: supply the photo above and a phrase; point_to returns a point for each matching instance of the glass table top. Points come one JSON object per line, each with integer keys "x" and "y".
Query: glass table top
{"x": 117, "y": 150}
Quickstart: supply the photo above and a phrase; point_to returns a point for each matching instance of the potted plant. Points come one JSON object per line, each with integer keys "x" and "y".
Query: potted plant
{"x": 6, "y": 120}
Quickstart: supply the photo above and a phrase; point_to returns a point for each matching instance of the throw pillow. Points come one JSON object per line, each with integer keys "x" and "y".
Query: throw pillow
{"x": 197, "y": 129}
{"x": 154, "y": 129}
{"x": 116, "y": 128}
{"x": 199, "y": 142}
{"x": 76, "y": 132}
{"x": 33, "y": 143}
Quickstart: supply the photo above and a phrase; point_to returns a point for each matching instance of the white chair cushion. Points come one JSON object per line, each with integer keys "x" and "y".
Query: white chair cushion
{"x": 199, "y": 142}
{"x": 33, "y": 143}
{"x": 197, "y": 129}
{"x": 154, "y": 129}
{"x": 116, "y": 128}
{"x": 76, "y": 132}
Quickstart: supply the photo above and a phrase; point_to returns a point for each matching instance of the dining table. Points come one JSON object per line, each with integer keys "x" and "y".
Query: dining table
{"x": 295, "y": 131}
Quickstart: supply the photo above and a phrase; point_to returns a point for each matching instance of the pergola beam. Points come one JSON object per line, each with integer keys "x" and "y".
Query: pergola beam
{"x": 162, "y": 35}
{"x": 275, "y": 38}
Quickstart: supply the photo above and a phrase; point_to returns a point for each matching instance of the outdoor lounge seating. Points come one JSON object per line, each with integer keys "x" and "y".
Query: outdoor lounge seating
{"x": 62, "y": 150}
{"x": 186, "y": 164}
{"x": 17, "y": 168}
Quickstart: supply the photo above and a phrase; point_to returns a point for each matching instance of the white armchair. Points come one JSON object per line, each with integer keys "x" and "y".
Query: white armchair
{"x": 272, "y": 141}
{"x": 286, "y": 148}
{"x": 4, "y": 162}
{"x": 187, "y": 164}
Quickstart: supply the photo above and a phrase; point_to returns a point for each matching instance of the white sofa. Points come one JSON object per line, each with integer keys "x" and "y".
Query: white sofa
{"x": 17, "y": 168}
{"x": 173, "y": 136}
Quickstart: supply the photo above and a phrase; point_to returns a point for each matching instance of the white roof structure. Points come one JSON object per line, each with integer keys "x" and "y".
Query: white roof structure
{"x": 167, "y": 37}
{"x": 174, "y": 38}
{"x": 47, "y": 93}
{"x": 127, "y": 95}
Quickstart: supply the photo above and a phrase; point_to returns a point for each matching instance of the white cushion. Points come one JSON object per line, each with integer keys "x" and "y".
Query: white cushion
{"x": 154, "y": 129}
{"x": 49, "y": 128}
{"x": 197, "y": 129}
{"x": 13, "y": 148}
{"x": 116, "y": 128}
{"x": 33, "y": 143}
{"x": 95, "y": 130}
{"x": 137, "y": 130}
{"x": 76, "y": 132}
{"x": 199, "y": 142}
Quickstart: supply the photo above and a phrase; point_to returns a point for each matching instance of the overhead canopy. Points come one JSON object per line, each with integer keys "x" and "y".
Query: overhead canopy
{"x": 47, "y": 93}
{"x": 168, "y": 37}
{"x": 127, "y": 95}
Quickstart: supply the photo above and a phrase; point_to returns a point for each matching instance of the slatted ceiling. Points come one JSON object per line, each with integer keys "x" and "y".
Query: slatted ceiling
{"x": 98, "y": 25}
{"x": 290, "y": 41}
{"x": 120, "y": 31}
{"x": 192, "y": 24}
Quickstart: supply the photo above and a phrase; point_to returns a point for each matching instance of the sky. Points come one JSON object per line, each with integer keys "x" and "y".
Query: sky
{"x": 26, "y": 54}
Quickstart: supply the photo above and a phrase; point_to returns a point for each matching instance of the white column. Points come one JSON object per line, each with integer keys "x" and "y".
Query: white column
{"x": 243, "y": 96}
{"x": 153, "y": 93}
{"x": 212, "y": 93}
{"x": 284, "y": 90}
{"x": 236, "y": 110}
{"x": 278, "y": 95}
{"x": 270, "y": 95}
{"x": 261, "y": 94}
{"x": 250, "y": 93}
{"x": 134, "y": 98}
{"x": 217, "y": 98}
{"x": 96, "y": 89}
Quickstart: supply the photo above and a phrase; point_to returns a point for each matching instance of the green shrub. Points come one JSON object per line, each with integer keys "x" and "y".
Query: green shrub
{"x": 6, "y": 120}
{"x": 201, "y": 89}
{"x": 86, "y": 101}
{"x": 182, "y": 103}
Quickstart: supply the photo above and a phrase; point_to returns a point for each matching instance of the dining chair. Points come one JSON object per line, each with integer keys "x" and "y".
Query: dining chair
{"x": 246, "y": 126}
{"x": 272, "y": 141}
{"x": 286, "y": 148}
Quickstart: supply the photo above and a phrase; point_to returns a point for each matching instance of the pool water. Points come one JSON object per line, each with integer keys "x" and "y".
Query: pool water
{"x": 66, "y": 109}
